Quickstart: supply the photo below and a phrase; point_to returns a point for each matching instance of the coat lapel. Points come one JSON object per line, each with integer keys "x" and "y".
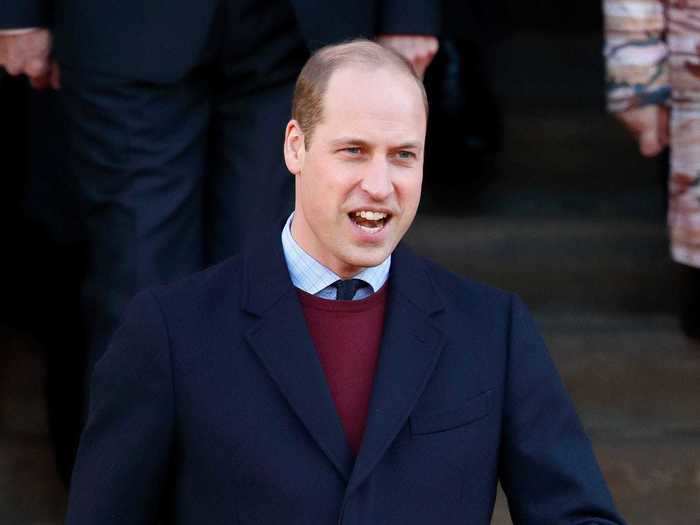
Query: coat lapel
{"x": 282, "y": 341}
{"x": 411, "y": 346}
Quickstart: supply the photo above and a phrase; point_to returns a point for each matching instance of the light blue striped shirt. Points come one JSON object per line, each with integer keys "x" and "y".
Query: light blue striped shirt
{"x": 311, "y": 276}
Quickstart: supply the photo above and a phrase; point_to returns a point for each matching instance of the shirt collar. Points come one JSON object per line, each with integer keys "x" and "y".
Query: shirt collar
{"x": 312, "y": 277}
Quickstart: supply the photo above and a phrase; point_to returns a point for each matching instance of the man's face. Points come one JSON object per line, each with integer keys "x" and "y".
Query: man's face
{"x": 358, "y": 185}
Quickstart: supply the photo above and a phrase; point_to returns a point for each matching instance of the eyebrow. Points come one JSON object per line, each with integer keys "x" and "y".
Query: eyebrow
{"x": 354, "y": 141}
{"x": 344, "y": 141}
{"x": 409, "y": 145}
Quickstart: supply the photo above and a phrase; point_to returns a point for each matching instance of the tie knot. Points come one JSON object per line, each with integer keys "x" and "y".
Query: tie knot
{"x": 347, "y": 288}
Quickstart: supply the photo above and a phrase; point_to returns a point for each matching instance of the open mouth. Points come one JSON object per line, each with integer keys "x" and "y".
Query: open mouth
{"x": 370, "y": 221}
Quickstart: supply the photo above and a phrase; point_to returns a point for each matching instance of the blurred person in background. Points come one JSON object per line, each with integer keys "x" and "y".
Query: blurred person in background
{"x": 652, "y": 51}
{"x": 171, "y": 110}
{"x": 466, "y": 120}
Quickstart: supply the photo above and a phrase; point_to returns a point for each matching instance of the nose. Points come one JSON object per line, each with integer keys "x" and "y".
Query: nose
{"x": 377, "y": 182}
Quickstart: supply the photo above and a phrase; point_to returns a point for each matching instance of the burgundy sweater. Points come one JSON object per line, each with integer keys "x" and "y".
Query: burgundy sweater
{"x": 347, "y": 335}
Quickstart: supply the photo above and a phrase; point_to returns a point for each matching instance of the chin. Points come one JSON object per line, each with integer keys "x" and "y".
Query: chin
{"x": 367, "y": 257}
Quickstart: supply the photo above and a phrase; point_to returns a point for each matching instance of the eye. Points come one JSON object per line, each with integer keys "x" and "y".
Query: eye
{"x": 354, "y": 150}
{"x": 406, "y": 155}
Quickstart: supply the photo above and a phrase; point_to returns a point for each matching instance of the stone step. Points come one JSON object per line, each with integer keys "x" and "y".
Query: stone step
{"x": 30, "y": 492}
{"x": 573, "y": 163}
{"x": 557, "y": 164}
{"x": 652, "y": 482}
{"x": 562, "y": 265}
{"x": 563, "y": 154}
{"x": 22, "y": 388}
{"x": 630, "y": 377}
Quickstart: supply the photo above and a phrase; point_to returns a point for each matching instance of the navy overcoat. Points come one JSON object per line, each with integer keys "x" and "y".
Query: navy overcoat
{"x": 211, "y": 407}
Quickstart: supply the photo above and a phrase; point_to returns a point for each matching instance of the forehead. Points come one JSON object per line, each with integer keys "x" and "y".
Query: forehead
{"x": 375, "y": 101}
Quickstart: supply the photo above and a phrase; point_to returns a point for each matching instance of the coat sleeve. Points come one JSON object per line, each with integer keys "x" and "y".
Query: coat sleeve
{"x": 547, "y": 467}
{"x": 409, "y": 17}
{"x": 125, "y": 449}
{"x": 636, "y": 54}
{"x": 18, "y": 14}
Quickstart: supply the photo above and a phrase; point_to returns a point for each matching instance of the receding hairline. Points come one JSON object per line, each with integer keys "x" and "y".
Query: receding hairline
{"x": 312, "y": 84}
{"x": 368, "y": 67}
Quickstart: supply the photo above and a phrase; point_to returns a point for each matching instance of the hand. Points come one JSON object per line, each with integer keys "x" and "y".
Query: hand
{"x": 30, "y": 54}
{"x": 649, "y": 125}
{"x": 419, "y": 50}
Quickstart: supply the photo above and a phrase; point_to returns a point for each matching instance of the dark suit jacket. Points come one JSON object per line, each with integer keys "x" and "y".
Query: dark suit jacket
{"x": 161, "y": 40}
{"x": 211, "y": 402}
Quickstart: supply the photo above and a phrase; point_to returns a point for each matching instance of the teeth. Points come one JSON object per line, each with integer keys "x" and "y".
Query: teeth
{"x": 370, "y": 215}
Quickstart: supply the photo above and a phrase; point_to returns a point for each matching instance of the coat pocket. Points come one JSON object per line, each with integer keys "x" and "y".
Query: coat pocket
{"x": 474, "y": 409}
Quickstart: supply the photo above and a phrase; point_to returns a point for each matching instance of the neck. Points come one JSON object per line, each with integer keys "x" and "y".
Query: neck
{"x": 344, "y": 271}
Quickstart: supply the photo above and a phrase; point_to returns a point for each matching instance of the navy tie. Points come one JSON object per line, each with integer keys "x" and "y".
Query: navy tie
{"x": 347, "y": 288}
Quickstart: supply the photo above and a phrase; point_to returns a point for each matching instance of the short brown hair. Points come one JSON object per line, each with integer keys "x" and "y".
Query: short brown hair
{"x": 307, "y": 104}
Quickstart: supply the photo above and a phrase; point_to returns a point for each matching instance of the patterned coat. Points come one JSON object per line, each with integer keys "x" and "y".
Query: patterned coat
{"x": 653, "y": 57}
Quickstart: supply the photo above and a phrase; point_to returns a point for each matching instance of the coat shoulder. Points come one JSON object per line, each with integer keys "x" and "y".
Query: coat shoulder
{"x": 205, "y": 290}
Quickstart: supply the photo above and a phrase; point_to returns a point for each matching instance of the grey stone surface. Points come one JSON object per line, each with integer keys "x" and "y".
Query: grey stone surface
{"x": 576, "y": 163}
{"x": 21, "y": 387}
{"x": 30, "y": 492}
{"x": 654, "y": 481}
{"x": 631, "y": 377}
{"x": 556, "y": 265}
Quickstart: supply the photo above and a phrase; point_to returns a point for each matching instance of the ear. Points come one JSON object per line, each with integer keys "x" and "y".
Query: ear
{"x": 294, "y": 147}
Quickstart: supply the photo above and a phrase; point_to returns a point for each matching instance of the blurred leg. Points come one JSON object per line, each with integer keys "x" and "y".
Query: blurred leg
{"x": 249, "y": 190}
{"x": 138, "y": 151}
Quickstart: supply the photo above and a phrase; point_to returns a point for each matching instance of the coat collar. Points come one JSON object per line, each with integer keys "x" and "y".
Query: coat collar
{"x": 409, "y": 351}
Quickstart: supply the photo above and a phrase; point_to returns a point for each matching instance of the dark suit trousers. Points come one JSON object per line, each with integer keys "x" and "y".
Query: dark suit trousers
{"x": 173, "y": 177}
